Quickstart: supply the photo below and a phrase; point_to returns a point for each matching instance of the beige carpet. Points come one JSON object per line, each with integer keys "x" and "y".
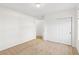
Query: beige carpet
{"x": 40, "y": 47}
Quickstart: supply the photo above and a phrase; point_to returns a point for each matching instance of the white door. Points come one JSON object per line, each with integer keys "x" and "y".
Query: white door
{"x": 59, "y": 30}
{"x": 65, "y": 30}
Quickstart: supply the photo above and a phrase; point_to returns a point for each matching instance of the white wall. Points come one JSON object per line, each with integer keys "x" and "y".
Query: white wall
{"x": 77, "y": 41}
{"x": 15, "y": 28}
{"x": 61, "y": 14}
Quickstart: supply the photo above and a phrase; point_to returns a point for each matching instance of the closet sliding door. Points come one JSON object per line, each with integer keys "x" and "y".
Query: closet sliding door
{"x": 59, "y": 30}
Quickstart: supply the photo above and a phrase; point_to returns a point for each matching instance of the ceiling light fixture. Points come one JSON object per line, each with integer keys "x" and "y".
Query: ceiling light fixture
{"x": 38, "y": 5}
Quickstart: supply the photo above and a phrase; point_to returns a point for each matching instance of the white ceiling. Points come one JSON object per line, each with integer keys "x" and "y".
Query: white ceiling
{"x": 46, "y": 8}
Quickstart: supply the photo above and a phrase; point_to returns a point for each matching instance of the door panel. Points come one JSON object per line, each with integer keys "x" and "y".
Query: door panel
{"x": 59, "y": 30}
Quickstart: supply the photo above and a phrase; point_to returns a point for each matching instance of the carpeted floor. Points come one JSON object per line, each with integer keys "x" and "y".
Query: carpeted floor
{"x": 40, "y": 47}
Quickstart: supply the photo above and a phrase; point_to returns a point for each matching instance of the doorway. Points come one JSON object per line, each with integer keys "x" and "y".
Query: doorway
{"x": 39, "y": 29}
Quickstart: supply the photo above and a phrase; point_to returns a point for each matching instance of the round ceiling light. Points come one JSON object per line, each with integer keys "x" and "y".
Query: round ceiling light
{"x": 38, "y": 5}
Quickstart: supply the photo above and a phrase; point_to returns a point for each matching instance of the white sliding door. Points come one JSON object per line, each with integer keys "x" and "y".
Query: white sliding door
{"x": 58, "y": 30}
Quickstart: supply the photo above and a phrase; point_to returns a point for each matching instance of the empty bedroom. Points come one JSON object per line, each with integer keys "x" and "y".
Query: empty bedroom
{"x": 39, "y": 28}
